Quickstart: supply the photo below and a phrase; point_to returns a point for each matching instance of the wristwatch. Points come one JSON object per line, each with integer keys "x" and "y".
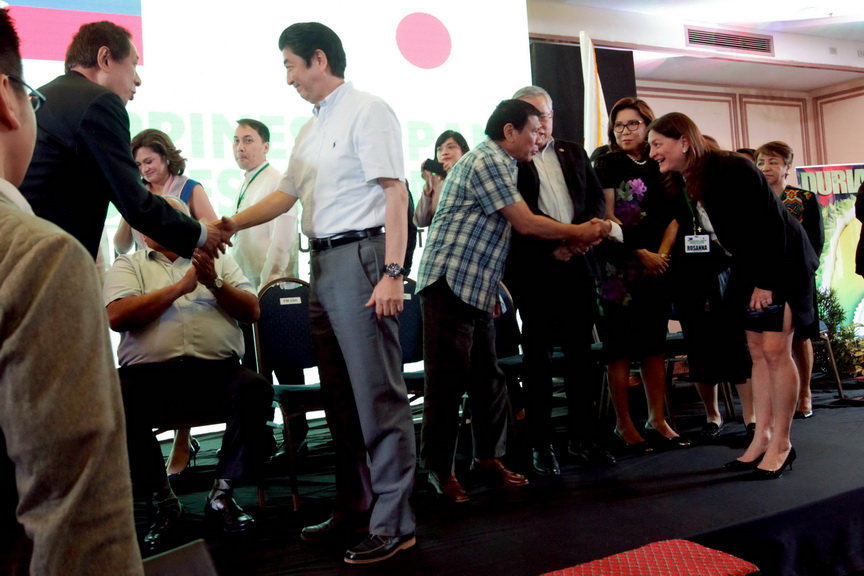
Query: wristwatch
{"x": 217, "y": 285}
{"x": 394, "y": 270}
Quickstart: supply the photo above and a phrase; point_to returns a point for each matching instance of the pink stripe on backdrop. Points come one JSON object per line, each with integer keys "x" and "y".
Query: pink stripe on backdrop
{"x": 46, "y": 33}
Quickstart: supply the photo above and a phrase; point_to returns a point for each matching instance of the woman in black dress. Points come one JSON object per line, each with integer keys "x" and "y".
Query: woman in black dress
{"x": 772, "y": 266}
{"x": 634, "y": 300}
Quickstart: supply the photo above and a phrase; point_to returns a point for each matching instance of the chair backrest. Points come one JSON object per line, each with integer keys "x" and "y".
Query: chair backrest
{"x": 283, "y": 337}
{"x": 411, "y": 325}
{"x": 507, "y": 334}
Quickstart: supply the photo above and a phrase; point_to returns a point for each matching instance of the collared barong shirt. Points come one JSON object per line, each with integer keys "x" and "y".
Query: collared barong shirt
{"x": 267, "y": 251}
{"x": 469, "y": 239}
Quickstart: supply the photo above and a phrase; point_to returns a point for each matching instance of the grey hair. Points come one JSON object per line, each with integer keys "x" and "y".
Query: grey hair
{"x": 531, "y": 92}
{"x": 178, "y": 204}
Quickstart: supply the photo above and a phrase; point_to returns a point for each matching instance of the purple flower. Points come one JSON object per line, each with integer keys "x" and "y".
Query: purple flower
{"x": 613, "y": 290}
{"x": 637, "y": 188}
{"x": 629, "y": 213}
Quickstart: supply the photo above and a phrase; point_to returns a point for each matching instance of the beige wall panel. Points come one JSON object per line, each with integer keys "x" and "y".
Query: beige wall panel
{"x": 715, "y": 114}
{"x": 766, "y": 119}
{"x": 842, "y": 122}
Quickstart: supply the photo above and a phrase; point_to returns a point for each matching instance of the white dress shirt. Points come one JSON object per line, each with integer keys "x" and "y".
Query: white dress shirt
{"x": 195, "y": 326}
{"x": 338, "y": 157}
{"x": 555, "y": 200}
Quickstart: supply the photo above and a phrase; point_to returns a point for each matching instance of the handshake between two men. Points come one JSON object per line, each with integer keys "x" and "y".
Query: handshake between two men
{"x": 583, "y": 237}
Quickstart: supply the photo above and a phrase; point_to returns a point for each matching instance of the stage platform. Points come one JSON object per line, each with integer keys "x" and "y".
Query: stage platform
{"x": 808, "y": 522}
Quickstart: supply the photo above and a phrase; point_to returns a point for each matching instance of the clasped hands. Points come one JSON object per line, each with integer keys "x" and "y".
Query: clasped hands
{"x": 590, "y": 234}
{"x": 203, "y": 271}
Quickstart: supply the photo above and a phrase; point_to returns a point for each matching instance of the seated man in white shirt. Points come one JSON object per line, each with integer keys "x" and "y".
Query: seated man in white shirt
{"x": 179, "y": 355}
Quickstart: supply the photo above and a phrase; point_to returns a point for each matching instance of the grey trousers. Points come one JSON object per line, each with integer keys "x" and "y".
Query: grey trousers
{"x": 366, "y": 402}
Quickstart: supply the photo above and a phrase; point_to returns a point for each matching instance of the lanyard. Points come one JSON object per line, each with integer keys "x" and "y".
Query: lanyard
{"x": 696, "y": 228}
{"x": 245, "y": 186}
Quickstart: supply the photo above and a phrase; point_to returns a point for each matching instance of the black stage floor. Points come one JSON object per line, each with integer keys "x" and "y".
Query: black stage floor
{"x": 808, "y": 522}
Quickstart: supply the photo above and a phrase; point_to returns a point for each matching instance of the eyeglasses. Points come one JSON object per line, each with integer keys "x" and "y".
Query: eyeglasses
{"x": 632, "y": 126}
{"x": 547, "y": 116}
{"x": 36, "y": 97}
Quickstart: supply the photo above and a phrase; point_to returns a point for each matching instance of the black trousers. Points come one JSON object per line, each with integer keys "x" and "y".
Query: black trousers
{"x": 561, "y": 313}
{"x": 459, "y": 356}
{"x": 163, "y": 394}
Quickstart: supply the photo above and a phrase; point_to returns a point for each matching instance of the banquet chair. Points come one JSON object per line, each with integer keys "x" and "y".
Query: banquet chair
{"x": 508, "y": 340}
{"x": 676, "y": 352}
{"x": 411, "y": 339}
{"x": 283, "y": 344}
{"x": 825, "y": 340}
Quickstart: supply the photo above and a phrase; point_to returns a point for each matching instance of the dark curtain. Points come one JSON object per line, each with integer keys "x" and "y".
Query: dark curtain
{"x": 558, "y": 69}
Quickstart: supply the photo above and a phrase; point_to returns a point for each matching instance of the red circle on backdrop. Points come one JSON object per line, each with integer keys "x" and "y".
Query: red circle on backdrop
{"x": 423, "y": 40}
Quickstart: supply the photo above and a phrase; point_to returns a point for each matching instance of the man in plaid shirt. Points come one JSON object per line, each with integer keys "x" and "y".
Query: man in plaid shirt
{"x": 462, "y": 265}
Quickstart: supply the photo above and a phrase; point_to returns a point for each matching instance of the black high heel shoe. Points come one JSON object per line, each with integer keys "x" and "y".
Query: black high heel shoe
{"x": 664, "y": 442}
{"x": 762, "y": 474}
{"x": 194, "y": 448}
{"x": 741, "y": 466}
{"x": 642, "y": 447}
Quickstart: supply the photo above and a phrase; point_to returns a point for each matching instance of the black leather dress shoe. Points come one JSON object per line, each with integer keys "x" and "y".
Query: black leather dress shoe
{"x": 710, "y": 431}
{"x": 224, "y": 512}
{"x": 167, "y": 518}
{"x": 545, "y": 461}
{"x": 336, "y": 527}
{"x": 376, "y": 548}
{"x": 590, "y": 453}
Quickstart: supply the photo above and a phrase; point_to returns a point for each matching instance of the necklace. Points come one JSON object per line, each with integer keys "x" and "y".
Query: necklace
{"x": 639, "y": 162}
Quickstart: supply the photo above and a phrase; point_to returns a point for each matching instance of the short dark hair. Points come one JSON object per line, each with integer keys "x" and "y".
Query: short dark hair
{"x": 515, "y": 112}
{"x": 304, "y": 38}
{"x": 628, "y": 103}
{"x": 456, "y": 136}
{"x": 776, "y": 148}
{"x": 160, "y": 143}
{"x": 259, "y": 127}
{"x": 10, "y": 46}
{"x": 85, "y": 45}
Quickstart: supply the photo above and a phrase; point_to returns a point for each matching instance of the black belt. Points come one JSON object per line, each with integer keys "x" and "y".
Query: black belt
{"x": 319, "y": 244}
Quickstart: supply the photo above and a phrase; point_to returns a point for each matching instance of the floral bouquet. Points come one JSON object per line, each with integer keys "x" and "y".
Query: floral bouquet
{"x": 628, "y": 201}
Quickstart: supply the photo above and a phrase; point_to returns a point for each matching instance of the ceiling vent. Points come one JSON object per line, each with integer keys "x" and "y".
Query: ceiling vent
{"x": 730, "y": 40}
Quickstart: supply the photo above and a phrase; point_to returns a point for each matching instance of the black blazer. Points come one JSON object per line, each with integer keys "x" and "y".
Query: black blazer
{"x": 769, "y": 247}
{"x": 588, "y": 202}
{"x": 82, "y": 161}
{"x": 859, "y": 214}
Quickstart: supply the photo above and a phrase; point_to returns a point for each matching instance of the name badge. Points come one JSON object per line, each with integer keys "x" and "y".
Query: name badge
{"x": 697, "y": 243}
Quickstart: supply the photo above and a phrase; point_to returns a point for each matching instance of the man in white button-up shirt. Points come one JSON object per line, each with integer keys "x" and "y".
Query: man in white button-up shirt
{"x": 347, "y": 170}
{"x": 179, "y": 353}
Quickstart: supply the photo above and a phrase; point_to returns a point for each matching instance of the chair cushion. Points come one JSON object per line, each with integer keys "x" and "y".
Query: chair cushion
{"x": 665, "y": 558}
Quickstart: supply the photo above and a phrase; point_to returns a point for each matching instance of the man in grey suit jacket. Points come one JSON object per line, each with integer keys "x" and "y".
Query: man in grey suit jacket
{"x": 82, "y": 159}
{"x": 558, "y": 183}
{"x": 65, "y": 495}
